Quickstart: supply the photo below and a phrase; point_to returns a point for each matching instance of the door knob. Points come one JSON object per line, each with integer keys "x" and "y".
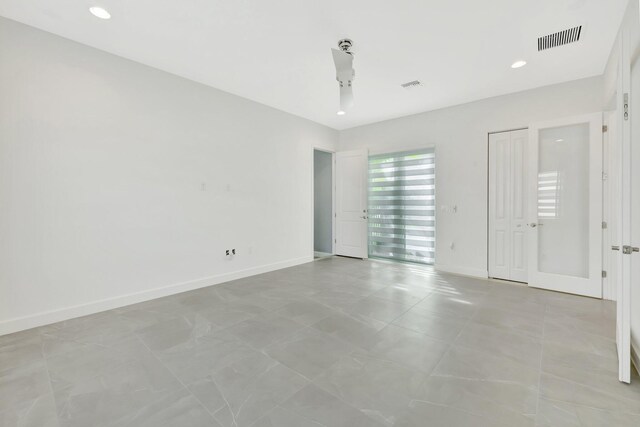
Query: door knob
{"x": 533, "y": 225}
{"x": 363, "y": 217}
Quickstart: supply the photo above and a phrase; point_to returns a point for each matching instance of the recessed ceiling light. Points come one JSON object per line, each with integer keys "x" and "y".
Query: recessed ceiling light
{"x": 99, "y": 12}
{"x": 518, "y": 64}
{"x": 341, "y": 113}
{"x": 559, "y": 140}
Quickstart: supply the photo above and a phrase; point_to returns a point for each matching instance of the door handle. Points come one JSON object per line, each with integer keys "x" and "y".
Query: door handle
{"x": 627, "y": 249}
{"x": 533, "y": 225}
{"x": 363, "y": 217}
{"x": 615, "y": 248}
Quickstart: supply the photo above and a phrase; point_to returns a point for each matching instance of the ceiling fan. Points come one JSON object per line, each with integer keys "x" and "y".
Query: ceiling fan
{"x": 345, "y": 74}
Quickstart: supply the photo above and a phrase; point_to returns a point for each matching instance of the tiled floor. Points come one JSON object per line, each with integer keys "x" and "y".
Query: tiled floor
{"x": 336, "y": 342}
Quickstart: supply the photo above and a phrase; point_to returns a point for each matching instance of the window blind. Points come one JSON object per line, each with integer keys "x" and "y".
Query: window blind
{"x": 402, "y": 206}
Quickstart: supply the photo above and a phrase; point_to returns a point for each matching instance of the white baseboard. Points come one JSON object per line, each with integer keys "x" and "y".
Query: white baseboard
{"x": 462, "y": 271}
{"x": 47, "y": 317}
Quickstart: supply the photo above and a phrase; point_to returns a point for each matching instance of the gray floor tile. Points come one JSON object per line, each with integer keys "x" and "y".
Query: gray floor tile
{"x": 357, "y": 331}
{"x": 421, "y": 414}
{"x": 24, "y": 383}
{"x": 514, "y": 321}
{"x": 457, "y": 306}
{"x": 380, "y": 309}
{"x": 104, "y": 329}
{"x": 506, "y": 402}
{"x": 92, "y": 360}
{"x": 264, "y": 330}
{"x": 250, "y": 395}
{"x": 36, "y": 412}
{"x": 309, "y": 352}
{"x": 519, "y": 347}
{"x": 20, "y": 349}
{"x": 177, "y": 332}
{"x": 379, "y": 388}
{"x": 443, "y": 328}
{"x": 115, "y": 393}
{"x": 177, "y": 409}
{"x": 306, "y": 311}
{"x": 593, "y": 391}
{"x": 337, "y": 299}
{"x": 383, "y": 344}
{"x": 202, "y": 358}
{"x": 561, "y": 414}
{"x": 578, "y": 340}
{"x": 409, "y": 348}
{"x": 280, "y": 417}
{"x": 317, "y": 405}
{"x": 474, "y": 364}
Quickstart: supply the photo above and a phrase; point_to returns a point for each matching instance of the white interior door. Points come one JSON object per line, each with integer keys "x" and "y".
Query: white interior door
{"x": 507, "y": 205}
{"x": 565, "y": 209}
{"x": 351, "y": 203}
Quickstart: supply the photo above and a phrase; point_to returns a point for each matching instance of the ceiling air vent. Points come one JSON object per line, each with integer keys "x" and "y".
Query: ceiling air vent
{"x": 560, "y": 38}
{"x": 411, "y": 85}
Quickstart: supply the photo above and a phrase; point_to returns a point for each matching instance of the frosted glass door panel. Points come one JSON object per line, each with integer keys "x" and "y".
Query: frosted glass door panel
{"x": 563, "y": 200}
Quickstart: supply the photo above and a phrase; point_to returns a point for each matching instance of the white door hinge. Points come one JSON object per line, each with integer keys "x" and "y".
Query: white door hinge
{"x": 604, "y": 274}
{"x": 604, "y": 128}
{"x": 604, "y": 225}
{"x": 605, "y": 176}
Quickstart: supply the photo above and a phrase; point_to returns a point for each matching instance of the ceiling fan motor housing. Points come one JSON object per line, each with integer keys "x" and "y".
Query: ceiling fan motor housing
{"x": 345, "y": 46}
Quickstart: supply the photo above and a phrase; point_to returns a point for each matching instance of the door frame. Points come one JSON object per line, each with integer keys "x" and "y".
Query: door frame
{"x": 333, "y": 199}
{"x": 488, "y": 195}
{"x": 623, "y": 134}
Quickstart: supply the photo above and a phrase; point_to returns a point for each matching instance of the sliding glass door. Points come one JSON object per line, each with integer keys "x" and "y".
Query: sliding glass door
{"x": 402, "y": 223}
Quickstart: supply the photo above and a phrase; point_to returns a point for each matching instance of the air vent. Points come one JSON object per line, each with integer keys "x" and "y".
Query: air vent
{"x": 560, "y": 38}
{"x": 411, "y": 85}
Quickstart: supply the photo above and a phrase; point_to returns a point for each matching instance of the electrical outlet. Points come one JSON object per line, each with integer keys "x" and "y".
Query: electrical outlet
{"x": 227, "y": 252}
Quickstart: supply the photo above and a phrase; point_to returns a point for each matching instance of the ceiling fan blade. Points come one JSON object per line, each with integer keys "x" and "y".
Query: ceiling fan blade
{"x": 343, "y": 62}
{"x": 346, "y": 98}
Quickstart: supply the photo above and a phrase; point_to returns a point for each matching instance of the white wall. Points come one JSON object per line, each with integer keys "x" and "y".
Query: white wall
{"x": 323, "y": 201}
{"x": 102, "y": 167}
{"x": 460, "y": 136}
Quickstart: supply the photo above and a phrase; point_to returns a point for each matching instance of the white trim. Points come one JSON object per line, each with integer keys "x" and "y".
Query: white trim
{"x": 462, "y": 271}
{"x": 47, "y": 317}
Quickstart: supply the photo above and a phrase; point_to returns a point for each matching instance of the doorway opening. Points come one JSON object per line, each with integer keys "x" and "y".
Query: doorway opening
{"x": 323, "y": 228}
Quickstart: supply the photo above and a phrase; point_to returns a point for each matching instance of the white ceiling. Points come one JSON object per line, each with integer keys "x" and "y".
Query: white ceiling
{"x": 277, "y": 52}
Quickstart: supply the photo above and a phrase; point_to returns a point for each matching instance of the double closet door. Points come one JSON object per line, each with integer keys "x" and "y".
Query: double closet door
{"x": 508, "y": 205}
